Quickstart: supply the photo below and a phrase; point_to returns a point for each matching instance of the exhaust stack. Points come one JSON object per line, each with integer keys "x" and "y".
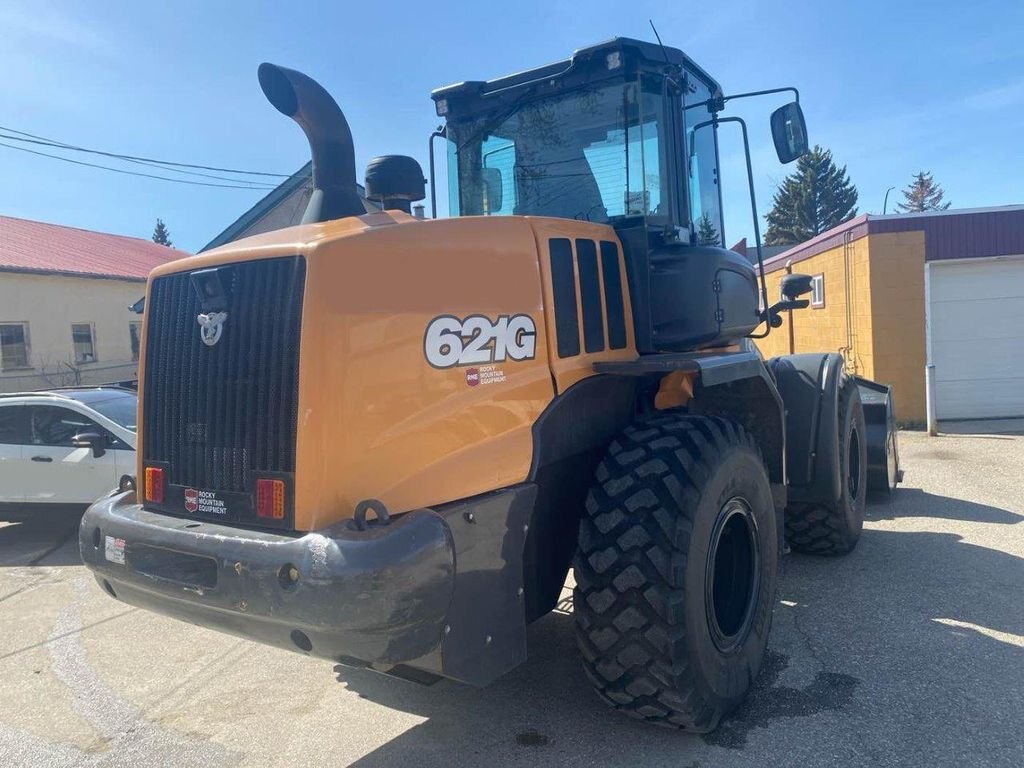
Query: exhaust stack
{"x": 330, "y": 141}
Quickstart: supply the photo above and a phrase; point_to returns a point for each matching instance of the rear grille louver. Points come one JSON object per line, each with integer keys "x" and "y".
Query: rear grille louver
{"x": 216, "y": 415}
{"x": 587, "y": 280}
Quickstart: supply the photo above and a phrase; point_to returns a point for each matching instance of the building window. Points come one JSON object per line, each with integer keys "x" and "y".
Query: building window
{"x": 82, "y": 337}
{"x": 13, "y": 346}
{"x": 135, "y": 333}
{"x": 818, "y": 291}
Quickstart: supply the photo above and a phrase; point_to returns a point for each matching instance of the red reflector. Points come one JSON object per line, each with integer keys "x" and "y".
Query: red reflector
{"x": 270, "y": 499}
{"x": 154, "y": 484}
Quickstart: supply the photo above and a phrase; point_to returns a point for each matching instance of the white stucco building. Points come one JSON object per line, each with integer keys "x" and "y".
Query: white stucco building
{"x": 64, "y": 304}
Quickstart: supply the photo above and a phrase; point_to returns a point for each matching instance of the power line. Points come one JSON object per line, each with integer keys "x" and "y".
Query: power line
{"x": 58, "y": 145}
{"x": 63, "y": 145}
{"x": 135, "y": 173}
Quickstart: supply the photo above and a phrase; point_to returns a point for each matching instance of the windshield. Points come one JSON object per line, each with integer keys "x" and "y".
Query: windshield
{"x": 705, "y": 193}
{"x": 119, "y": 407}
{"x": 593, "y": 154}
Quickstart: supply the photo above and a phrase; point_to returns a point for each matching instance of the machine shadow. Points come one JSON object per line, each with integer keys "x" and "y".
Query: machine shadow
{"x": 545, "y": 710}
{"x": 914, "y": 502}
{"x": 50, "y": 540}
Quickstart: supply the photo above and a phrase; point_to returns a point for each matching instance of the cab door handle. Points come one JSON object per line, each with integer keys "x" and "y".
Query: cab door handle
{"x": 47, "y": 459}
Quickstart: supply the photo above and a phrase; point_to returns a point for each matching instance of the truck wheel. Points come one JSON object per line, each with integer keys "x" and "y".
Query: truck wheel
{"x": 834, "y": 530}
{"x": 675, "y": 571}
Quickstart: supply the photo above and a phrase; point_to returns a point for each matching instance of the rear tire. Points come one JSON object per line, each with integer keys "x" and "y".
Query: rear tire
{"x": 676, "y": 571}
{"x": 820, "y": 529}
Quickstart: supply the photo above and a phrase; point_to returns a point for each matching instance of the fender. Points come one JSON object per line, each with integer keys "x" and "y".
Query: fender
{"x": 733, "y": 384}
{"x": 809, "y": 386}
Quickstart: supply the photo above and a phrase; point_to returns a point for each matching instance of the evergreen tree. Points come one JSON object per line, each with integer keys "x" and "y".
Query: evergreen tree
{"x": 160, "y": 234}
{"x": 817, "y": 196}
{"x": 922, "y": 194}
{"x": 706, "y": 232}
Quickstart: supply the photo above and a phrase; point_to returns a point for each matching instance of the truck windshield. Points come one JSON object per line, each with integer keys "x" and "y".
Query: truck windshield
{"x": 592, "y": 154}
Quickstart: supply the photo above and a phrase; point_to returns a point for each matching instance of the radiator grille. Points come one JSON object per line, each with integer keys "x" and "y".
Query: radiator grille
{"x": 215, "y": 415}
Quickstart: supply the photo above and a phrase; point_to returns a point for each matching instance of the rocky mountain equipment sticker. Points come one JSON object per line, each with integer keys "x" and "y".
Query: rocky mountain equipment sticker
{"x": 204, "y": 502}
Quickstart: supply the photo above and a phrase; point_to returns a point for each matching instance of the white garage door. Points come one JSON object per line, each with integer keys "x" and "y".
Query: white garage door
{"x": 976, "y": 322}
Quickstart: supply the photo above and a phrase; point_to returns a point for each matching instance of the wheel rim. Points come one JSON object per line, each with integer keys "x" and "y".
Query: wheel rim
{"x": 853, "y": 463}
{"x": 732, "y": 575}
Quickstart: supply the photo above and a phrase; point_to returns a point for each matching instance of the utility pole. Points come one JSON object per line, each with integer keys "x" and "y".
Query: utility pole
{"x": 885, "y": 205}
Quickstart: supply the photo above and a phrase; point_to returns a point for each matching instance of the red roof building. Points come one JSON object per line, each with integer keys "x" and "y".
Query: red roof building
{"x": 65, "y": 295}
{"x": 35, "y": 246}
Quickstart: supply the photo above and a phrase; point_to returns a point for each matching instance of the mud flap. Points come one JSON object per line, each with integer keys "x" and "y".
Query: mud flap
{"x": 485, "y": 631}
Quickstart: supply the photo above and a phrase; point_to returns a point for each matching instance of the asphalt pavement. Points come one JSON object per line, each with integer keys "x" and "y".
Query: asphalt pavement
{"x": 909, "y": 651}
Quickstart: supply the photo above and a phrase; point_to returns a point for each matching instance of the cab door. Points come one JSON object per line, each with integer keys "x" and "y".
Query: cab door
{"x": 58, "y": 472}
{"x": 14, "y": 431}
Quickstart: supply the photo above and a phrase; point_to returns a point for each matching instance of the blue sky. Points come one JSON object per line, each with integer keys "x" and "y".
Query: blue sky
{"x": 890, "y": 88}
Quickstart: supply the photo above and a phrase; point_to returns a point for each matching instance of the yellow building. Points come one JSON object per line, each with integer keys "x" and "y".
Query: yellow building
{"x": 897, "y": 293}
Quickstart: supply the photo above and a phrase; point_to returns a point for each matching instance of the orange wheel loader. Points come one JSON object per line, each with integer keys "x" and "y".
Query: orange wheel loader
{"x": 384, "y": 440}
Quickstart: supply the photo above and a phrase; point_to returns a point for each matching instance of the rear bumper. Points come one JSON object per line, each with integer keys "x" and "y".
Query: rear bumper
{"x": 384, "y": 596}
{"x": 379, "y": 595}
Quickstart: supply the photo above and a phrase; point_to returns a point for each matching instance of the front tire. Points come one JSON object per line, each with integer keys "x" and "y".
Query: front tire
{"x": 676, "y": 571}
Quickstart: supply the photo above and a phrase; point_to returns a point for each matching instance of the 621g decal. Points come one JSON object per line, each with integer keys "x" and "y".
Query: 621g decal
{"x": 477, "y": 339}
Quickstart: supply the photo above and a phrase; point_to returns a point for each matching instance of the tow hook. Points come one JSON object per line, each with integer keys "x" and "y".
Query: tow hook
{"x": 381, "y": 512}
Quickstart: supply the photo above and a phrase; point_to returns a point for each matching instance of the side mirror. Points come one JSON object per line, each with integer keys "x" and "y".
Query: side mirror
{"x": 789, "y": 132}
{"x": 93, "y": 440}
{"x": 492, "y": 189}
{"x": 795, "y": 285}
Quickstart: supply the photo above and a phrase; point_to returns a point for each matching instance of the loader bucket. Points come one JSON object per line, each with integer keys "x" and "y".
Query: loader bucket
{"x": 883, "y": 452}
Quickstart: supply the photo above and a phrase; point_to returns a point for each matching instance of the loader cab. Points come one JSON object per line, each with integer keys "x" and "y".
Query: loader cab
{"x": 601, "y": 137}
{"x": 619, "y": 134}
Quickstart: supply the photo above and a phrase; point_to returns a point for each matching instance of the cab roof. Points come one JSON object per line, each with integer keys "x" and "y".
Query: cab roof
{"x": 636, "y": 54}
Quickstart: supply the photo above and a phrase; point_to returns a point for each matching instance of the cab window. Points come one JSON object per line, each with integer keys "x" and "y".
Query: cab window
{"x": 56, "y": 426}
{"x": 14, "y": 425}
{"x": 595, "y": 153}
{"x": 705, "y": 191}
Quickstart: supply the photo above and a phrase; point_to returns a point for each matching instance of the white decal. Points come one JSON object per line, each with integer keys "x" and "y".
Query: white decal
{"x": 114, "y": 550}
{"x": 478, "y": 340}
{"x": 208, "y": 504}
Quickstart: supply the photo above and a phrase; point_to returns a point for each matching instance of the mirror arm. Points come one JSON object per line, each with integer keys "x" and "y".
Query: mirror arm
{"x": 787, "y": 89}
{"x": 773, "y": 317}
{"x": 753, "y": 208}
{"x": 715, "y": 121}
{"x": 717, "y": 103}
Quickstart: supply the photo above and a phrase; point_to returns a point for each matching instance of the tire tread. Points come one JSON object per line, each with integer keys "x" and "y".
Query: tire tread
{"x": 630, "y": 623}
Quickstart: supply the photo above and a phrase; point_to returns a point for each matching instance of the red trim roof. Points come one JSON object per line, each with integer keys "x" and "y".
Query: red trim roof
{"x": 34, "y": 246}
{"x": 954, "y": 234}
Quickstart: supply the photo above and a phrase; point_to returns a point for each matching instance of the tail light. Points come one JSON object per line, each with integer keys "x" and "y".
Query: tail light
{"x": 270, "y": 499}
{"x": 155, "y": 485}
